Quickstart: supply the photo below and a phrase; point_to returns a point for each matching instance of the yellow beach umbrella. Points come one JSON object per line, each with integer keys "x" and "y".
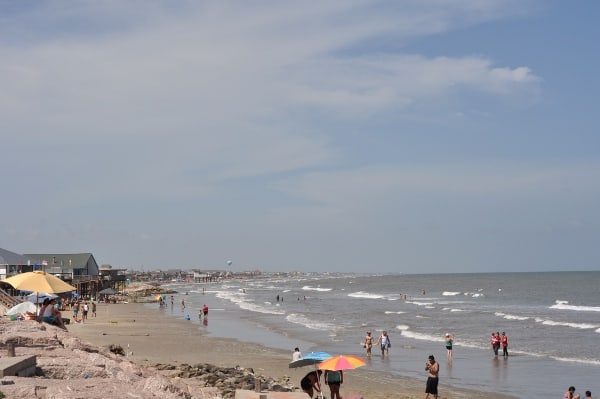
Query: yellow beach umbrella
{"x": 39, "y": 281}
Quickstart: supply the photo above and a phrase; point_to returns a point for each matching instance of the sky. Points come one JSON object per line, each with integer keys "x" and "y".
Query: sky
{"x": 408, "y": 136}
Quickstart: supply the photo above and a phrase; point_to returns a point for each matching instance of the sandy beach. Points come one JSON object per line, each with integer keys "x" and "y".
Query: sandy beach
{"x": 151, "y": 337}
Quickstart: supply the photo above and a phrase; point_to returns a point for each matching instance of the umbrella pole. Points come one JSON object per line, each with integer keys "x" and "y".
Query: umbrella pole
{"x": 319, "y": 382}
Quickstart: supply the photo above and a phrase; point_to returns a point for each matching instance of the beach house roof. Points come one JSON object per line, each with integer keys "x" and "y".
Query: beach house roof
{"x": 12, "y": 258}
{"x": 82, "y": 262}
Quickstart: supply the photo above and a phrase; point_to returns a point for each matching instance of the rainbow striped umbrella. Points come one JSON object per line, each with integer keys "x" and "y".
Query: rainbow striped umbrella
{"x": 342, "y": 362}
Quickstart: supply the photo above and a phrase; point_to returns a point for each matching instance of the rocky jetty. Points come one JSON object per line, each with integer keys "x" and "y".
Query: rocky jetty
{"x": 68, "y": 368}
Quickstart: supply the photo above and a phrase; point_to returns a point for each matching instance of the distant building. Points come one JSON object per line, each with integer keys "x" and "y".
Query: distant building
{"x": 68, "y": 266}
{"x": 12, "y": 263}
{"x": 80, "y": 270}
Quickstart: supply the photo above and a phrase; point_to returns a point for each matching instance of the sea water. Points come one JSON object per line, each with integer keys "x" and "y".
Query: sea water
{"x": 552, "y": 321}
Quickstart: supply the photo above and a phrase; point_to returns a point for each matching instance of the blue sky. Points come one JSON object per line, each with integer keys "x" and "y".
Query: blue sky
{"x": 405, "y": 136}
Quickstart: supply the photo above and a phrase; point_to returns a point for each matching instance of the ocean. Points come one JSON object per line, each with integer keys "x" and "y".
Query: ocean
{"x": 552, "y": 320}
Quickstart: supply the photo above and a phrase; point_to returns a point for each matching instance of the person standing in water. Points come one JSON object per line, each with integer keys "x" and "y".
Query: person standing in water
{"x": 384, "y": 341}
{"x": 504, "y": 340}
{"x": 570, "y": 394}
{"x": 368, "y": 345}
{"x": 449, "y": 340}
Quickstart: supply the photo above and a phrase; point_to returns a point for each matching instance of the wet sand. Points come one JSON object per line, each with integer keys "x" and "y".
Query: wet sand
{"x": 150, "y": 337}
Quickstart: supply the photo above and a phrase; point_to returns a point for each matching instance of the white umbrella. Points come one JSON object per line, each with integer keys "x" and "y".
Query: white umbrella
{"x": 39, "y": 297}
{"x": 21, "y": 308}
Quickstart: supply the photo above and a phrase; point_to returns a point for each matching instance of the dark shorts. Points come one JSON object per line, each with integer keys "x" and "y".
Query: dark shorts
{"x": 432, "y": 385}
{"x": 305, "y": 384}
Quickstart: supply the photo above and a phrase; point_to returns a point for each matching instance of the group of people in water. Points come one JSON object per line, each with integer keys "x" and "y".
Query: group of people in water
{"x": 570, "y": 394}
{"x": 498, "y": 340}
{"x": 310, "y": 382}
{"x": 383, "y": 341}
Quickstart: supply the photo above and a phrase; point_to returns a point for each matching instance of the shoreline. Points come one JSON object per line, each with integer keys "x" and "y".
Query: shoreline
{"x": 149, "y": 337}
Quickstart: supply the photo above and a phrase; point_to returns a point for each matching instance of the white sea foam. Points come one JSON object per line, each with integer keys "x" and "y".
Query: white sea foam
{"x": 420, "y": 303}
{"x": 229, "y": 286}
{"x": 511, "y": 317}
{"x": 450, "y": 293}
{"x": 573, "y": 360}
{"x": 402, "y": 327}
{"x": 366, "y": 295}
{"x": 564, "y": 305}
{"x": 582, "y": 326}
{"x": 241, "y": 301}
{"x": 420, "y": 336}
{"x": 390, "y": 312}
{"x": 309, "y": 288}
{"x": 309, "y": 323}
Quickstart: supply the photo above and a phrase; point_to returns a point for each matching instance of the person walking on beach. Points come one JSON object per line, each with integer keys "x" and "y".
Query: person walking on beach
{"x": 84, "y": 314}
{"x": 334, "y": 379}
{"x": 432, "y": 378}
{"x": 297, "y": 355}
{"x": 310, "y": 382}
{"x": 504, "y": 341}
{"x": 384, "y": 341}
{"x": 75, "y": 311}
{"x": 205, "y": 311}
{"x": 93, "y": 308}
{"x": 368, "y": 345}
{"x": 570, "y": 394}
{"x": 449, "y": 340}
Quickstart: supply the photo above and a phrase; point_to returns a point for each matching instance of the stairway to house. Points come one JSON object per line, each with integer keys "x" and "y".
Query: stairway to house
{"x": 7, "y": 301}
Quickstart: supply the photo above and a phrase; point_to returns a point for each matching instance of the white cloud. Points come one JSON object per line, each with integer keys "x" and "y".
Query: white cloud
{"x": 124, "y": 105}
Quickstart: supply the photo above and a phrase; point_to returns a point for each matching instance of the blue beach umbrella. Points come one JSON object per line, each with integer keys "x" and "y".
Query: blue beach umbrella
{"x": 310, "y": 359}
